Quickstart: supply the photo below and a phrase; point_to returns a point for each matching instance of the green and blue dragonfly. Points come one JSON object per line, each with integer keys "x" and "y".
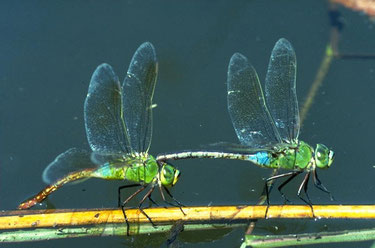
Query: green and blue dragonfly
{"x": 118, "y": 120}
{"x": 267, "y": 125}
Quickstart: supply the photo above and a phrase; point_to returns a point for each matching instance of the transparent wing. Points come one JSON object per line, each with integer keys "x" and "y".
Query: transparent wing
{"x": 101, "y": 159}
{"x": 70, "y": 161}
{"x": 105, "y": 129}
{"x": 227, "y": 147}
{"x": 280, "y": 90}
{"x": 138, "y": 89}
{"x": 247, "y": 109}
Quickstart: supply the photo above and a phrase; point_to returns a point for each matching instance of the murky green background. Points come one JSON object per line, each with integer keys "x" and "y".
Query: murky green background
{"x": 48, "y": 51}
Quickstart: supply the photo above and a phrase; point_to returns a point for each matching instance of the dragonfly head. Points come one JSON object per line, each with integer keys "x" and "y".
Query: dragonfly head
{"x": 323, "y": 156}
{"x": 169, "y": 175}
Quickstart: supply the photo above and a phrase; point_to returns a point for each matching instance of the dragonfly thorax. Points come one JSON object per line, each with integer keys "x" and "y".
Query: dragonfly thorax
{"x": 293, "y": 157}
{"x": 302, "y": 157}
{"x": 145, "y": 169}
{"x": 141, "y": 168}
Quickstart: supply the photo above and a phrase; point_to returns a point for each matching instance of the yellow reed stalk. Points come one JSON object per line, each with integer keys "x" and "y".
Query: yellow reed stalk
{"x": 21, "y": 219}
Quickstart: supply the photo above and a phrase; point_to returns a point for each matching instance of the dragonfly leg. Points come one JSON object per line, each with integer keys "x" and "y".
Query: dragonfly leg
{"x": 163, "y": 197}
{"x": 304, "y": 186}
{"x": 161, "y": 187}
{"x": 125, "y": 187}
{"x": 179, "y": 204}
{"x": 152, "y": 200}
{"x": 286, "y": 200}
{"x": 125, "y": 202}
{"x": 318, "y": 184}
{"x": 291, "y": 174}
{"x": 147, "y": 195}
{"x": 162, "y": 193}
{"x": 174, "y": 199}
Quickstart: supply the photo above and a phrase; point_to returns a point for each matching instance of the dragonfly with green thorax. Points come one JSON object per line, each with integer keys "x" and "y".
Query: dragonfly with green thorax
{"x": 118, "y": 121}
{"x": 267, "y": 125}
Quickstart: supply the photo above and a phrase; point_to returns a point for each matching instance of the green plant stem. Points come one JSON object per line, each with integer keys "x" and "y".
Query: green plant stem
{"x": 42, "y": 234}
{"x": 308, "y": 239}
{"x": 322, "y": 72}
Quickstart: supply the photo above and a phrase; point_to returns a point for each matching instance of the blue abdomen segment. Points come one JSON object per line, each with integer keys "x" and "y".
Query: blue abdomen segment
{"x": 260, "y": 158}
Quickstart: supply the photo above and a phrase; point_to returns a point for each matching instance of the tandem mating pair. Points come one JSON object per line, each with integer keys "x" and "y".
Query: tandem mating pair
{"x": 118, "y": 121}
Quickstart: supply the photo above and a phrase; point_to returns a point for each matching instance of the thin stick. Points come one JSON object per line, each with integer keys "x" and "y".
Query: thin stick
{"x": 59, "y": 218}
{"x": 322, "y": 72}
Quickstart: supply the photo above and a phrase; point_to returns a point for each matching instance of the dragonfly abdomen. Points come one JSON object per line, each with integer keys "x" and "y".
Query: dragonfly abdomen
{"x": 110, "y": 172}
{"x": 53, "y": 187}
{"x": 202, "y": 154}
{"x": 262, "y": 159}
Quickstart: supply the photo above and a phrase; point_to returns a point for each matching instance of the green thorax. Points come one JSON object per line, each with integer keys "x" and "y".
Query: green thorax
{"x": 139, "y": 167}
{"x": 293, "y": 158}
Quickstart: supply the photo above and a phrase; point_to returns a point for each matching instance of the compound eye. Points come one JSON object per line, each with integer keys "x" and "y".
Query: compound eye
{"x": 167, "y": 175}
{"x": 167, "y": 172}
{"x": 323, "y": 156}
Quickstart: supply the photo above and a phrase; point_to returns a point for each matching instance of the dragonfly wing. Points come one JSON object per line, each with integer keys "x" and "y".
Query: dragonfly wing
{"x": 280, "y": 90}
{"x": 228, "y": 147}
{"x": 138, "y": 89}
{"x": 70, "y": 161}
{"x": 104, "y": 124}
{"x": 100, "y": 159}
{"x": 247, "y": 108}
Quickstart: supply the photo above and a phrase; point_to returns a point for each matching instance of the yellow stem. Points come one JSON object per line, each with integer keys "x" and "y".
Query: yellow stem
{"x": 57, "y": 218}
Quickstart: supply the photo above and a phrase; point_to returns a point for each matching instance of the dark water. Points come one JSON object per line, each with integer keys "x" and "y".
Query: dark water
{"x": 49, "y": 50}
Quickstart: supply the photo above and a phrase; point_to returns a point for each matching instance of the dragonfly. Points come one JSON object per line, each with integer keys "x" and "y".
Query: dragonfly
{"x": 118, "y": 121}
{"x": 267, "y": 125}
